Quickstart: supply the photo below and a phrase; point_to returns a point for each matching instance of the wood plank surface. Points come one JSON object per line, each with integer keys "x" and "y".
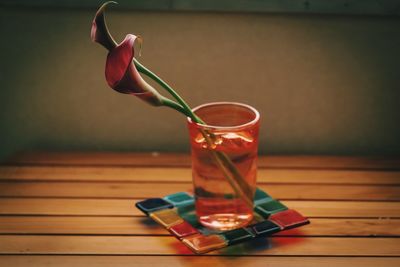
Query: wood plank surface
{"x": 352, "y": 227}
{"x": 158, "y": 174}
{"x": 194, "y": 261}
{"x": 77, "y": 209}
{"x": 174, "y": 160}
{"x": 126, "y": 207}
{"x": 147, "y": 190}
{"x": 166, "y": 245}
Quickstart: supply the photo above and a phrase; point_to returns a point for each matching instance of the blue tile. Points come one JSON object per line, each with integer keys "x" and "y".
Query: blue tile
{"x": 237, "y": 235}
{"x": 153, "y": 204}
{"x": 264, "y": 228}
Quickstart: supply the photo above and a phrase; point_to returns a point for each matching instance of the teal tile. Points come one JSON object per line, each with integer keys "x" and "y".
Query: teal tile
{"x": 260, "y": 197}
{"x": 268, "y": 208}
{"x": 180, "y": 199}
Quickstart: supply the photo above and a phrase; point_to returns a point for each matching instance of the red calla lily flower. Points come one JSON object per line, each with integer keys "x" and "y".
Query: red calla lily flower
{"x": 121, "y": 73}
{"x": 122, "y": 76}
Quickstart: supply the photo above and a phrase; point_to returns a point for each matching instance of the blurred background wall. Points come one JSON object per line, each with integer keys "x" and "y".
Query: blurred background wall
{"x": 324, "y": 84}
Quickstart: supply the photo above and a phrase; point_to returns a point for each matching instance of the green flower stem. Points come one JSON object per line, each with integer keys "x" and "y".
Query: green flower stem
{"x": 184, "y": 105}
{"x": 172, "y": 104}
{"x": 233, "y": 176}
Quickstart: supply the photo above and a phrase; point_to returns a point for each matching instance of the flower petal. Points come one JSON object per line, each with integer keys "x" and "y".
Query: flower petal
{"x": 99, "y": 32}
{"x": 122, "y": 75}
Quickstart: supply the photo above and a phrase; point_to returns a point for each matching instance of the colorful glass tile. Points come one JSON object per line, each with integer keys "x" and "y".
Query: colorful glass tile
{"x": 237, "y": 235}
{"x": 203, "y": 243}
{"x": 270, "y": 207}
{"x": 167, "y": 217}
{"x": 182, "y": 230}
{"x": 261, "y": 197}
{"x": 177, "y": 213}
{"x": 180, "y": 199}
{"x": 257, "y": 218}
{"x": 153, "y": 204}
{"x": 264, "y": 228}
{"x": 288, "y": 219}
{"x": 186, "y": 209}
{"x": 188, "y": 213}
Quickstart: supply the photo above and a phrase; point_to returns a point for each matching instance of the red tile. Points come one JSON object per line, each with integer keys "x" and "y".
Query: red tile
{"x": 183, "y": 229}
{"x": 288, "y": 219}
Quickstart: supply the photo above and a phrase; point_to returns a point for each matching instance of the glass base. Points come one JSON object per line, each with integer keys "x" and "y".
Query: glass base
{"x": 225, "y": 221}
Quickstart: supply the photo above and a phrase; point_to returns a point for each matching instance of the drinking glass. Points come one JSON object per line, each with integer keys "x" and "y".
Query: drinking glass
{"x": 229, "y": 137}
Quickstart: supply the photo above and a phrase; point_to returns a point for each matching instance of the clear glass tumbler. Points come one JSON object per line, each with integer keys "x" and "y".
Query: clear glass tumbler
{"x": 230, "y": 136}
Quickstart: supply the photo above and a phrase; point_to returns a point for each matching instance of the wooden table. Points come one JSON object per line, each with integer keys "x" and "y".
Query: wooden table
{"x": 77, "y": 209}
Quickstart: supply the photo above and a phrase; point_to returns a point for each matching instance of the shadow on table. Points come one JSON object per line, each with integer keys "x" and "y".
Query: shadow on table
{"x": 252, "y": 247}
{"x": 260, "y": 244}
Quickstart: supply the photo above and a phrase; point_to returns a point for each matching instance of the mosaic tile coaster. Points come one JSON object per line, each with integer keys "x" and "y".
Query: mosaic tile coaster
{"x": 176, "y": 212}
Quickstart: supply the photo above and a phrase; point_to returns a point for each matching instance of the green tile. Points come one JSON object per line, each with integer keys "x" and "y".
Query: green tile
{"x": 260, "y": 197}
{"x": 268, "y": 208}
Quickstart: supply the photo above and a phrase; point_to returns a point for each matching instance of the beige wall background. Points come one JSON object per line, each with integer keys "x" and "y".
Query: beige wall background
{"x": 324, "y": 84}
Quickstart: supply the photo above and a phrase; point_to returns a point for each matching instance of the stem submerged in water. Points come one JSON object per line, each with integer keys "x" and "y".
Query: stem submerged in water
{"x": 229, "y": 170}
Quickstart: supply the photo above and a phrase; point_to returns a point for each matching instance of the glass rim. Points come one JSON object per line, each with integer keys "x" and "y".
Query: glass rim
{"x": 235, "y": 127}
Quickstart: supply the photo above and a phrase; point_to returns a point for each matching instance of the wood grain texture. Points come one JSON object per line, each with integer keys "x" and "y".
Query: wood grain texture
{"x": 145, "y": 226}
{"x": 158, "y": 174}
{"x": 166, "y": 245}
{"x": 194, "y": 261}
{"x": 148, "y": 190}
{"x": 77, "y": 209}
{"x": 125, "y": 207}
